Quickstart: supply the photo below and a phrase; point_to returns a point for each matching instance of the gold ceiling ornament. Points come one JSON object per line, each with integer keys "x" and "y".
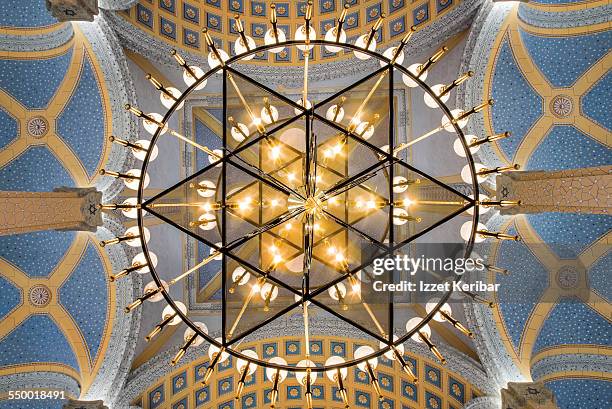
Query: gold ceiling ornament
{"x": 305, "y": 202}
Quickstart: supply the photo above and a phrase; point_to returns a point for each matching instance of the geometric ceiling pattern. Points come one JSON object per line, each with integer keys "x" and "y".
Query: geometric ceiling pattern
{"x": 552, "y": 86}
{"x": 550, "y": 92}
{"x": 437, "y": 388}
{"x": 57, "y": 308}
{"x": 179, "y": 22}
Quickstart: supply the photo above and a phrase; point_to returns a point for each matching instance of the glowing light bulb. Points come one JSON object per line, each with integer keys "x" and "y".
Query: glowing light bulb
{"x": 213, "y": 61}
{"x": 466, "y": 231}
{"x": 266, "y": 115}
{"x": 275, "y": 152}
{"x": 361, "y": 43}
{"x": 270, "y": 39}
{"x": 362, "y": 352}
{"x": 168, "y": 101}
{"x": 241, "y": 364}
{"x": 151, "y": 127}
{"x": 152, "y": 286}
{"x": 337, "y": 291}
{"x": 133, "y": 231}
{"x": 437, "y": 89}
{"x": 448, "y": 124}
{"x": 414, "y": 69}
{"x": 140, "y": 155}
{"x": 331, "y": 113}
{"x": 466, "y": 173}
{"x": 332, "y": 374}
{"x": 240, "y": 276}
{"x": 213, "y": 350}
{"x": 371, "y": 204}
{"x": 245, "y": 204}
{"x": 413, "y": 323}
{"x": 300, "y": 35}
{"x": 169, "y": 311}
{"x": 407, "y": 202}
{"x": 301, "y": 103}
{"x": 290, "y": 176}
{"x": 389, "y": 53}
{"x": 331, "y": 250}
{"x": 190, "y": 333}
{"x": 274, "y": 202}
{"x": 239, "y": 131}
{"x": 458, "y": 146}
{"x": 240, "y": 47}
{"x": 446, "y": 308}
{"x": 140, "y": 259}
{"x": 301, "y": 376}
{"x": 389, "y": 354}
{"x": 271, "y": 372}
{"x": 190, "y": 80}
{"x": 331, "y": 35}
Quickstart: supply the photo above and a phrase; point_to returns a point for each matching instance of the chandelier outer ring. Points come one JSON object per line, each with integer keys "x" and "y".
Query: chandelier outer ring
{"x": 392, "y": 344}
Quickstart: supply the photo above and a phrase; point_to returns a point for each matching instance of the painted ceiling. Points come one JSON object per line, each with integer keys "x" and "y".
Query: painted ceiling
{"x": 179, "y": 22}
{"x": 551, "y": 83}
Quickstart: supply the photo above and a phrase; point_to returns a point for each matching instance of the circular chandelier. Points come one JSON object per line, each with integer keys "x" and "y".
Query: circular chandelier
{"x": 300, "y": 199}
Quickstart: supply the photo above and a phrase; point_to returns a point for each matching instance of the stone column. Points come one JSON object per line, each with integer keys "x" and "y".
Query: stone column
{"x": 587, "y": 190}
{"x": 81, "y": 404}
{"x": 62, "y": 209}
{"x": 533, "y": 395}
{"x": 73, "y": 10}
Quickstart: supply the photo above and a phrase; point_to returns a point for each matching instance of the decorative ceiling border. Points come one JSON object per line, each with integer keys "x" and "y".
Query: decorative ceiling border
{"x": 445, "y": 27}
{"x": 117, "y": 78}
{"x": 26, "y": 42}
{"x": 143, "y": 377}
{"x": 565, "y": 19}
{"x": 118, "y": 356}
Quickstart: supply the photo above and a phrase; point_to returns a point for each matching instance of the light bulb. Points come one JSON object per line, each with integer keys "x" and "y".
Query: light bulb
{"x": 207, "y": 188}
{"x": 168, "y": 311}
{"x": 466, "y": 173}
{"x": 189, "y": 80}
{"x": 211, "y": 221}
{"x": 437, "y": 89}
{"x": 362, "y": 352}
{"x": 236, "y": 133}
{"x": 300, "y": 103}
{"x": 390, "y": 354}
{"x": 271, "y": 372}
{"x": 399, "y": 221}
{"x": 213, "y": 350}
{"x": 134, "y": 231}
{"x": 140, "y": 155}
{"x": 190, "y": 333}
{"x": 361, "y": 43}
{"x": 458, "y": 146}
{"x": 240, "y": 276}
{"x": 152, "y": 286}
{"x": 331, "y": 113}
{"x": 133, "y": 183}
{"x": 412, "y": 323}
{"x": 332, "y": 374}
{"x": 448, "y": 125}
{"x": 300, "y": 35}
{"x": 265, "y": 115}
{"x": 151, "y": 127}
{"x": 414, "y": 70}
{"x": 168, "y": 101}
{"x": 240, "y": 47}
{"x": 269, "y": 39}
{"x": 481, "y": 209}
{"x": 331, "y": 35}
{"x": 131, "y": 213}
{"x": 140, "y": 259}
{"x": 389, "y": 53}
{"x": 400, "y": 181}
{"x": 242, "y": 363}
{"x": 268, "y": 290}
{"x": 213, "y": 61}
{"x": 337, "y": 291}
{"x": 215, "y": 158}
{"x": 219, "y": 257}
{"x": 365, "y": 130}
{"x": 275, "y": 152}
{"x": 301, "y": 376}
{"x": 431, "y": 305}
{"x": 466, "y": 231}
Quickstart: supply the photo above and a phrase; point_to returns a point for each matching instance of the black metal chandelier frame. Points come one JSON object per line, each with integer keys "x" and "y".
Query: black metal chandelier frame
{"x": 388, "y": 160}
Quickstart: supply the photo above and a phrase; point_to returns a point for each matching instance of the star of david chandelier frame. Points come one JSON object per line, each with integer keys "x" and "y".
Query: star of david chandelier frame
{"x": 303, "y": 266}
